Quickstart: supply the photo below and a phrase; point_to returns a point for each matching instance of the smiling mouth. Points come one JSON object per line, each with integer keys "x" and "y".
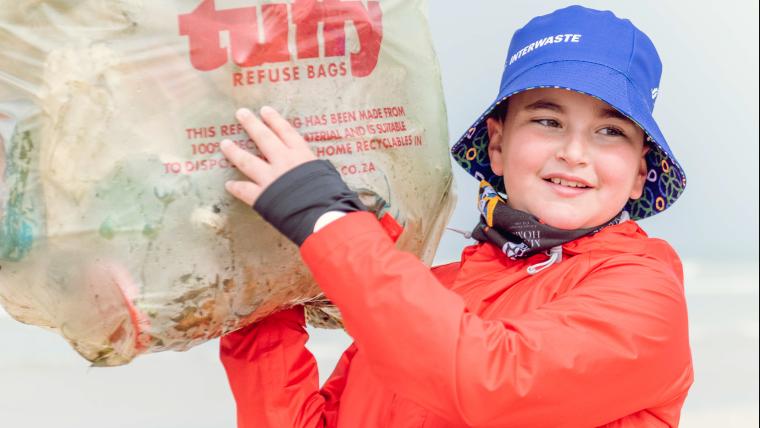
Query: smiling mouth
{"x": 566, "y": 183}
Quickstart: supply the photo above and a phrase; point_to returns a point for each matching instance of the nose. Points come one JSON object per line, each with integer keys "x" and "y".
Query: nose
{"x": 573, "y": 150}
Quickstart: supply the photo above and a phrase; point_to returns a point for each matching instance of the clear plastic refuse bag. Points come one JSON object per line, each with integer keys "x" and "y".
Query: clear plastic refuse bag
{"x": 115, "y": 229}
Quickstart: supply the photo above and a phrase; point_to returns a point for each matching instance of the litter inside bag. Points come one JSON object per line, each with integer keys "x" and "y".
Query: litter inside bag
{"x": 115, "y": 229}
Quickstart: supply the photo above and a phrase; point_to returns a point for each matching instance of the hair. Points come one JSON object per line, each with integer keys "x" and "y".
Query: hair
{"x": 500, "y": 111}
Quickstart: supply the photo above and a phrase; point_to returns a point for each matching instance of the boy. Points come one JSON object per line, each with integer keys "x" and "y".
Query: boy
{"x": 565, "y": 313}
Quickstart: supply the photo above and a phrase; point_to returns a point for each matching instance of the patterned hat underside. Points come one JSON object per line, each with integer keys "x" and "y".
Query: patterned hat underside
{"x": 664, "y": 184}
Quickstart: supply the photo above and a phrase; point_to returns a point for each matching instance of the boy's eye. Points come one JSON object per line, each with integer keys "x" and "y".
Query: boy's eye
{"x": 547, "y": 122}
{"x": 612, "y": 132}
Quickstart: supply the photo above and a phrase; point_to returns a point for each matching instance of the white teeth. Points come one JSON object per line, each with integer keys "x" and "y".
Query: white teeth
{"x": 566, "y": 183}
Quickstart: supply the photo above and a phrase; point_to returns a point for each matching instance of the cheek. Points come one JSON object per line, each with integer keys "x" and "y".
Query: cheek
{"x": 525, "y": 155}
{"x": 618, "y": 171}
{"x": 518, "y": 166}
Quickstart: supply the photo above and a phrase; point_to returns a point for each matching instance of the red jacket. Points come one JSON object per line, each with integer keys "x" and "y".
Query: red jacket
{"x": 599, "y": 339}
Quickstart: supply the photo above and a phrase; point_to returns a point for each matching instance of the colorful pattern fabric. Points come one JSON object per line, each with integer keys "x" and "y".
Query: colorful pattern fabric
{"x": 665, "y": 180}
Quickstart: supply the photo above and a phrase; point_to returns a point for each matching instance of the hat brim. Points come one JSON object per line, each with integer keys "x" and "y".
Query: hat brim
{"x": 665, "y": 180}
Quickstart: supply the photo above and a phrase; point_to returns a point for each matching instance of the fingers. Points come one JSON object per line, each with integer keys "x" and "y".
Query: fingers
{"x": 266, "y": 140}
{"x": 246, "y": 191}
{"x": 282, "y": 149}
{"x": 282, "y": 128}
{"x": 249, "y": 164}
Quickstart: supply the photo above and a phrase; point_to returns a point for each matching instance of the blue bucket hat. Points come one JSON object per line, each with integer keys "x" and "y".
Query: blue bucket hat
{"x": 598, "y": 54}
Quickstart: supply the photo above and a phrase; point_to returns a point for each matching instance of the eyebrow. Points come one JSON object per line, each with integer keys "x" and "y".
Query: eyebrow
{"x": 604, "y": 112}
{"x": 545, "y": 105}
{"x": 611, "y": 113}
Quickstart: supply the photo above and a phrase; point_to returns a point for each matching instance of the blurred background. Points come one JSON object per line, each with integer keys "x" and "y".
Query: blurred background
{"x": 708, "y": 111}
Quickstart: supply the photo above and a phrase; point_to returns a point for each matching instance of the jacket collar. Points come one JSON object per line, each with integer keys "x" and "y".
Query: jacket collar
{"x": 622, "y": 237}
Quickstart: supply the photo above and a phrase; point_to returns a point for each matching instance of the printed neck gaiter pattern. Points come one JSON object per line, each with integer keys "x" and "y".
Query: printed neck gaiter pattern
{"x": 519, "y": 234}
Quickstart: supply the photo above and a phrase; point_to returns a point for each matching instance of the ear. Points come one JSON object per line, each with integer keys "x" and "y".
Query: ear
{"x": 495, "y": 134}
{"x": 641, "y": 176}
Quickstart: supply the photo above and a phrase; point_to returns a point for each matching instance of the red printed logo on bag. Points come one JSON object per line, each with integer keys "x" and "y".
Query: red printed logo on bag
{"x": 254, "y": 41}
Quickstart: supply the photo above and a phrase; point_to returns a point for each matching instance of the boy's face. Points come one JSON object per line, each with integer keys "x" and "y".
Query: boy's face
{"x": 569, "y": 159}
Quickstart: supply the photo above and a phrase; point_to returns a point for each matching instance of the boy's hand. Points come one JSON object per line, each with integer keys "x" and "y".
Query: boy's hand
{"x": 289, "y": 187}
{"x": 282, "y": 149}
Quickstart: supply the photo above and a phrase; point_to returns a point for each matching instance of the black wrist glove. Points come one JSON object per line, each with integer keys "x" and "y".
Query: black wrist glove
{"x": 294, "y": 202}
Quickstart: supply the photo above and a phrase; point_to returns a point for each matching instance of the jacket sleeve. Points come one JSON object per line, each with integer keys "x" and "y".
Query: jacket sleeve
{"x": 274, "y": 378}
{"x": 611, "y": 347}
